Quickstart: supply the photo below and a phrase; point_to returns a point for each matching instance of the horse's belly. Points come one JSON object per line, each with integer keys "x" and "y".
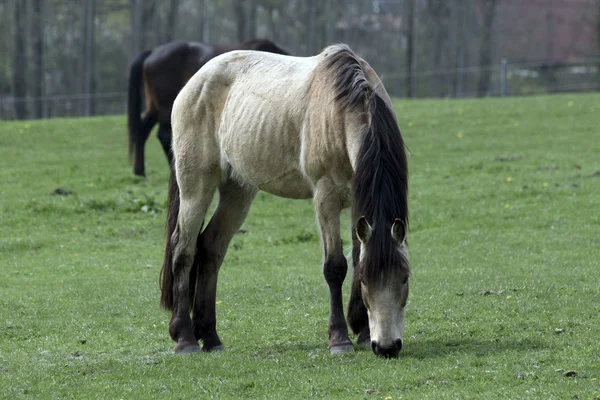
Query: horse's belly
{"x": 270, "y": 173}
{"x": 292, "y": 185}
{"x": 262, "y": 147}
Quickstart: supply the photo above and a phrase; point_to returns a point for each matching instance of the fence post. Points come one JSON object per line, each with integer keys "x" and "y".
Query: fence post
{"x": 503, "y": 78}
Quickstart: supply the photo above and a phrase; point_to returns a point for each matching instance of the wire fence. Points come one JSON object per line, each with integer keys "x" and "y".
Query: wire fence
{"x": 505, "y": 80}
{"x": 71, "y": 58}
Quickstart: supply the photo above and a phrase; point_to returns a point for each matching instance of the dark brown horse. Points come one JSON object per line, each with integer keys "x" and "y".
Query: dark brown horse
{"x": 164, "y": 70}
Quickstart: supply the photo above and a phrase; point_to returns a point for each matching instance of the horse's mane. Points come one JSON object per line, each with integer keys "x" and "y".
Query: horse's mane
{"x": 380, "y": 184}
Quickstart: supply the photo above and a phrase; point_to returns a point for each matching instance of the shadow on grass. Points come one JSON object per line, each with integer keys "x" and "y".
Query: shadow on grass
{"x": 424, "y": 349}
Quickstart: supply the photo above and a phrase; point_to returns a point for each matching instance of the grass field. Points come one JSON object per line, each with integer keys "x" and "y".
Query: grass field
{"x": 504, "y": 246}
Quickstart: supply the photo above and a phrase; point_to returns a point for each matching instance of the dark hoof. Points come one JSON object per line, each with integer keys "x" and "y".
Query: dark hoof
{"x": 182, "y": 349}
{"x": 219, "y": 347}
{"x": 340, "y": 346}
{"x": 341, "y": 349}
{"x": 364, "y": 342}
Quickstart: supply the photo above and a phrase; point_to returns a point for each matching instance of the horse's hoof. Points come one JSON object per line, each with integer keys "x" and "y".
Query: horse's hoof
{"x": 194, "y": 348}
{"x": 212, "y": 349}
{"x": 341, "y": 349}
{"x": 365, "y": 344}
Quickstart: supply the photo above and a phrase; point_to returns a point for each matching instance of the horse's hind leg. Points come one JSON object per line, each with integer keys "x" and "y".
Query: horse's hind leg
{"x": 329, "y": 204}
{"x": 233, "y": 207}
{"x": 165, "y": 134}
{"x": 196, "y": 193}
{"x": 148, "y": 123}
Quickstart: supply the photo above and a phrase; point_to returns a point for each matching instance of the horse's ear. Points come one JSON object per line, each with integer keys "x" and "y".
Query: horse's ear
{"x": 363, "y": 230}
{"x": 399, "y": 231}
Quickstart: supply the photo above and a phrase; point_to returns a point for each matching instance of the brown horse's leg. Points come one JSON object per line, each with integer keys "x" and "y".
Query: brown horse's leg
{"x": 233, "y": 207}
{"x": 357, "y": 312}
{"x": 148, "y": 123}
{"x": 164, "y": 136}
{"x": 196, "y": 193}
{"x": 329, "y": 203}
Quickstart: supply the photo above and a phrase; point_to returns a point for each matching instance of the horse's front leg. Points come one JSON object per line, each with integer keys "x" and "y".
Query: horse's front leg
{"x": 165, "y": 133}
{"x": 358, "y": 318}
{"x": 148, "y": 123}
{"x": 329, "y": 203}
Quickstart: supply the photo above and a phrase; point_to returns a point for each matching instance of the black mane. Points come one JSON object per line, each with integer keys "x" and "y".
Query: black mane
{"x": 380, "y": 185}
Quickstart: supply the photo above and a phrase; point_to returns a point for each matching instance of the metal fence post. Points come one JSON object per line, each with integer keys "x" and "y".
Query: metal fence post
{"x": 503, "y": 78}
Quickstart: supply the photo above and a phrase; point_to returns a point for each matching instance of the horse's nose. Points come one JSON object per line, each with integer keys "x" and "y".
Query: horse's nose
{"x": 389, "y": 351}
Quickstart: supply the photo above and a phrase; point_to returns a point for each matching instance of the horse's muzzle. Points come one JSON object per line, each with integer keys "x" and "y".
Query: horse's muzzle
{"x": 387, "y": 352}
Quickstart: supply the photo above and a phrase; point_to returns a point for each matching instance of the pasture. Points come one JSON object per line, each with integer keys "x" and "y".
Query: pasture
{"x": 504, "y": 243}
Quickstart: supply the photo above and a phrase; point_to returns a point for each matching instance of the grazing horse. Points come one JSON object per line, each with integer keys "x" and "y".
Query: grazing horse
{"x": 164, "y": 70}
{"x": 318, "y": 127}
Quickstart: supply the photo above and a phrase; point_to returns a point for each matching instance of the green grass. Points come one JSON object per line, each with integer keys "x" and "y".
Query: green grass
{"x": 504, "y": 245}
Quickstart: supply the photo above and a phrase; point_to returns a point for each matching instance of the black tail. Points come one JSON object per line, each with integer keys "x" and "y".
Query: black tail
{"x": 134, "y": 99}
{"x": 166, "y": 273}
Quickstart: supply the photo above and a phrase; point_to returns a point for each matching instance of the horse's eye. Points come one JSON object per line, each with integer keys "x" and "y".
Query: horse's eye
{"x": 405, "y": 281}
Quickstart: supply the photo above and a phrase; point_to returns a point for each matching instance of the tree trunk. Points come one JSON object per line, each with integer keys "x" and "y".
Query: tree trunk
{"x": 251, "y": 24}
{"x": 271, "y": 22}
{"x": 312, "y": 27}
{"x": 201, "y": 16}
{"x": 485, "y": 49}
{"x": 171, "y": 21}
{"x": 331, "y": 12}
{"x": 439, "y": 11}
{"x": 19, "y": 64}
{"x": 457, "y": 17}
{"x": 87, "y": 88}
{"x": 598, "y": 39}
{"x": 410, "y": 50}
{"x": 37, "y": 35}
{"x": 142, "y": 16}
{"x": 149, "y": 15}
{"x": 240, "y": 17}
{"x": 136, "y": 28}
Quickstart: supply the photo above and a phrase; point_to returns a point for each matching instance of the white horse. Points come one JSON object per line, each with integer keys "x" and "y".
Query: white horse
{"x": 319, "y": 127}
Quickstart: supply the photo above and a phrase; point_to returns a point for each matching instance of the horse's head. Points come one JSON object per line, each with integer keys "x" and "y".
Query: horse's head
{"x": 384, "y": 273}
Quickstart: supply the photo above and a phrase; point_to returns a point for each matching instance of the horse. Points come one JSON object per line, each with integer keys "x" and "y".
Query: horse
{"x": 319, "y": 127}
{"x": 163, "y": 71}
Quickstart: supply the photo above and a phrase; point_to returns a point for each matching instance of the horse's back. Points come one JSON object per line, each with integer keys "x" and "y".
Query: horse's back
{"x": 270, "y": 121}
{"x": 256, "y": 110}
{"x": 168, "y": 68}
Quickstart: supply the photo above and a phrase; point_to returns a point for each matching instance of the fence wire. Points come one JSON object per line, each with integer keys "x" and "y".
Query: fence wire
{"x": 551, "y": 45}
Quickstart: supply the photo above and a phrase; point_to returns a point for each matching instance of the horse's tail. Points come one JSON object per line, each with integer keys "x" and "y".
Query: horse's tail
{"x": 166, "y": 273}
{"x": 134, "y": 99}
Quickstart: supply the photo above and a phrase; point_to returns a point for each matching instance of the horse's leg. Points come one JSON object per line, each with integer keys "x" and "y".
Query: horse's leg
{"x": 329, "y": 204}
{"x": 196, "y": 193}
{"x": 148, "y": 123}
{"x": 357, "y": 312}
{"x": 233, "y": 207}
{"x": 165, "y": 133}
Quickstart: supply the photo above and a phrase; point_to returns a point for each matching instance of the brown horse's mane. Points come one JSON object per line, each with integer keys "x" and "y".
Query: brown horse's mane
{"x": 380, "y": 183}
